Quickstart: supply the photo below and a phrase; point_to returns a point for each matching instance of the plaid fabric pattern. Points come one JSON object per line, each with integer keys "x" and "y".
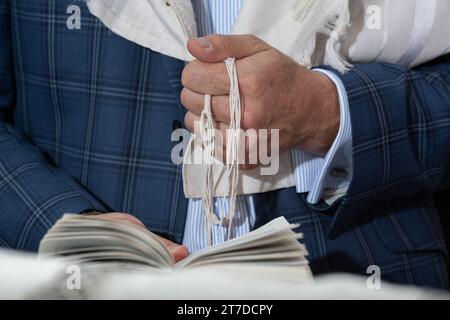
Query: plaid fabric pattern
{"x": 401, "y": 156}
{"x": 401, "y": 136}
{"x": 86, "y": 119}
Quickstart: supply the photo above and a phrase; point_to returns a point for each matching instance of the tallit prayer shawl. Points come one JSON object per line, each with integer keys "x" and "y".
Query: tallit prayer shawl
{"x": 303, "y": 18}
{"x": 309, "y": 18}
{"x": 309, "y": 31}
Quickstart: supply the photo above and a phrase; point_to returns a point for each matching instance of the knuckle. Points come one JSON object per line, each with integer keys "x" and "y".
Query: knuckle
{"x": 253, "y": 85}
{"x": 252, "y": 38}
{"x": 255, "y": 42}
{"x": 223, "y": 42}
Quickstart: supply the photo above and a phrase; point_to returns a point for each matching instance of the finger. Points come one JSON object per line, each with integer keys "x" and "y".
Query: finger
{"x": 250, "y": 158}
{"x": 222, "y": 145}
{"x": 121, "y": 217}
{"x": 192, "y": 122}
{"x": 195, "y": 103}
{"x": 246, "y": 161}
{"x": 206, "y": 78}
{"x": 216, "y": 48}
{"x": 178, "y": 252}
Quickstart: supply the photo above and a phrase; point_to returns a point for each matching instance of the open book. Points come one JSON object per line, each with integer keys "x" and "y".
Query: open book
{"x": 272, "y": 251}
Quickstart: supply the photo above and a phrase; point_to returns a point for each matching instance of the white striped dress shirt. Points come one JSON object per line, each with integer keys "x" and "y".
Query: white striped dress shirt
{"x": 312, "y": 174}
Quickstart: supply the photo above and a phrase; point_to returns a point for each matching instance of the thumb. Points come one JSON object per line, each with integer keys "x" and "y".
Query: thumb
{"x": 217, "y": 48}
{"x": 178, "y": 252}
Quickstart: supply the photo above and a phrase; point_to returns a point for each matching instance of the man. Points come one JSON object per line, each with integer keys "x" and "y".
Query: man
{"x": 87, "y": 117}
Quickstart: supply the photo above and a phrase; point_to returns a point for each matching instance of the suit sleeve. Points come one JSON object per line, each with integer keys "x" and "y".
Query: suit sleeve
{"x": 400, "y": 133}
{"x": 33, "y": 194}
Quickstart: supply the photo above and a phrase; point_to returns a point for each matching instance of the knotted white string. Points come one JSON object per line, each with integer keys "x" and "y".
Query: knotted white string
{"x": 332, "y": 22}
{"x": 233, "y": 140}
{"x": 208, "y": 143}
{"x": 232, "y": 154}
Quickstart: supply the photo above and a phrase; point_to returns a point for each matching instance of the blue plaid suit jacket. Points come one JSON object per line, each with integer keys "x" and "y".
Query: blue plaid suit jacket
{"x": 86, "y": 119}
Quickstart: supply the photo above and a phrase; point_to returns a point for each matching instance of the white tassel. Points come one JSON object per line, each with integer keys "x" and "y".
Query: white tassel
{"x": 232, "y": 157}
{"x": 305, "y": 58}
{"x": 335, "y": 24}
{"x": 338, "y": 27}
{"x": 329, "y": 17}
{"x": 208, "y": 144}
{"x": 233, "y": 141}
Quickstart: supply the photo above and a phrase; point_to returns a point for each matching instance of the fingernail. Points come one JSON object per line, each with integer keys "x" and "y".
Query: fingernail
{"x": 179, "y": 252}
{"x": 204, "y": 43}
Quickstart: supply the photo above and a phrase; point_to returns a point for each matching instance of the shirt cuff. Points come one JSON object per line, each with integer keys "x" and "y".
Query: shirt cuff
{"x": 338, "y": 161}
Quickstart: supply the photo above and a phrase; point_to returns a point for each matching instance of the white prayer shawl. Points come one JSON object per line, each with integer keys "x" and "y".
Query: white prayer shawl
{"x": 305, "y": 18}
{"x": 310, "y": 31}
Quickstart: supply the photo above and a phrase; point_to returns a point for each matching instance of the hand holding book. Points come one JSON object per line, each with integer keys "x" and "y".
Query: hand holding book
{"x": 178, "y": 252}
{"x": 272, "y": 251}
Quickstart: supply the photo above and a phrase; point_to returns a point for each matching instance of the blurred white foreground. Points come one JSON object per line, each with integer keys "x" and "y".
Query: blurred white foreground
{"x": 24, "y": 277}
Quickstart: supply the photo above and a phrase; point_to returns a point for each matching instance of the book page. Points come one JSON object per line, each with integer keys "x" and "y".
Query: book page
{"x": 272, "y": 251}
{"x": 273, "y": 244}
{"x": 85, "y": 238}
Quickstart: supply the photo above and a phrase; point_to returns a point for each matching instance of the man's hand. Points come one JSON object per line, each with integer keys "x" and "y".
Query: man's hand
{"x": 277, "y": 93}
{"x": 178, "y": 252}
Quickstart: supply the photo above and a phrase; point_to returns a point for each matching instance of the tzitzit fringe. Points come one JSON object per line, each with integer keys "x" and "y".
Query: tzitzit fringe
{"x": 336, "y": 22}
{"x": 334, "y": 19}
{"x": 232, "y": 155}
